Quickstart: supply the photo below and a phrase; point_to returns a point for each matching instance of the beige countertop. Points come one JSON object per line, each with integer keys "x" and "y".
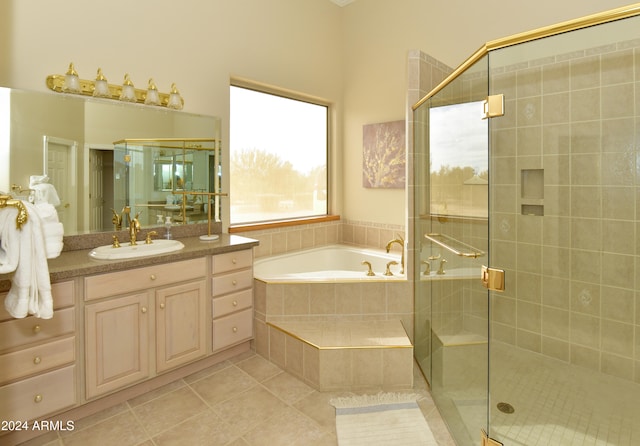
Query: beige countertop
{"x": 77, "y": 263}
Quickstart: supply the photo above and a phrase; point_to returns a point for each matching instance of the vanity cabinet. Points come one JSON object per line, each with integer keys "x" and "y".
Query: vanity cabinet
{"x": 38, "y": 359}
{"x": 144, "y": 321}
{"x": 181, "y": 328}
{"x": 232, "y": 298}
{"x": 117, "y": 343}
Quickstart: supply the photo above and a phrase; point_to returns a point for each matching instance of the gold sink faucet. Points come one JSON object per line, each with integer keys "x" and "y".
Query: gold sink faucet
{"x": 117, "y": 218}
{"x": 400, "y": 241}
{"x": 148, "y": 240}
{"x": 134, "y": 228}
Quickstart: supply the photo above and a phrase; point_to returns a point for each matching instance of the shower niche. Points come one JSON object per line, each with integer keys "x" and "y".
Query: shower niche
{"x": 532, "y": 192}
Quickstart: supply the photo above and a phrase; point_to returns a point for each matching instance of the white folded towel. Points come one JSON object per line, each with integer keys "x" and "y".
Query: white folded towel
{"x": 30, "y": 291}
{"x": 52, "y": 229}
{"x": 9, "y": 241}
{"x": 47, "y": 212}
{"x": 44, "y": 192}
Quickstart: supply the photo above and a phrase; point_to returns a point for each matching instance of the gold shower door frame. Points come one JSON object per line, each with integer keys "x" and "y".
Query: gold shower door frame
{"x": 445, "y": 94}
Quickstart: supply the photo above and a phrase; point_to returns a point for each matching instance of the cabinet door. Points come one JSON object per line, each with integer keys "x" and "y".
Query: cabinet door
{"x": 117, "y": 343}
{"x": 180, "y": 324}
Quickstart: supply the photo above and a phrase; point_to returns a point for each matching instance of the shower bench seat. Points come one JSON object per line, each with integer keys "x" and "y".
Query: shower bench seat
{"x": 344, "y": 355}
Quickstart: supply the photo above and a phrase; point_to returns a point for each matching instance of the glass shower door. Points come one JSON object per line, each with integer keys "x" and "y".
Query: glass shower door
{"x": 452, "y": 236}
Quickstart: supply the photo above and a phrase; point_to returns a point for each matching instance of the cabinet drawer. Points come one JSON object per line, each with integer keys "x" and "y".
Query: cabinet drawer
{"x": 232, "y": 260}
{"x": 35, "y": 397}
{"x": 232, "y": 329}
{"x": 17, "y": 332}
{"x": 232, "y": 303}
{"x": 36, "y": 359}
{"x": 62, "y": 293}
{"x": 227, "y": 283}
{"x": 112, "y": 284}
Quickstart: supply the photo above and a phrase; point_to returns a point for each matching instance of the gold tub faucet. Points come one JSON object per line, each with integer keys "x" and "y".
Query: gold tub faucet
{"x": 400, "y": 241}
{"x": 369, "y": 269}
{"x": 441, "y": 268}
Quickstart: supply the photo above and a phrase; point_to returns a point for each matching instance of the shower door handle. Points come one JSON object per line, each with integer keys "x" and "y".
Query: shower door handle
{"x": 492, "y": 278}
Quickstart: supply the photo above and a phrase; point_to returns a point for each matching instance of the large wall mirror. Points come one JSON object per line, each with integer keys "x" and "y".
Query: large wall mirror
{"x": 175, "y": 178}
{"x": 75, "y": 141}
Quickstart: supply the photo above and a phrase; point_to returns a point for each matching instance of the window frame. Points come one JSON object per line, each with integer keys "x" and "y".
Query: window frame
{"x": 292, "y": 221}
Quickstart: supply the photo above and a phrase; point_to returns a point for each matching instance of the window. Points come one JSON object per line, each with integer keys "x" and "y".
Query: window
{"x": 278, "y": 165}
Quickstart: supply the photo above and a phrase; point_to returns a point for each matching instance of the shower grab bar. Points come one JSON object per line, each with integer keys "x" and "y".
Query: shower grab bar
{"x": 468, "y": 250}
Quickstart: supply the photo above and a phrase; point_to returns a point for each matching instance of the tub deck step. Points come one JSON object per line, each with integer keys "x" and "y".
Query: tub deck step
{"x": 344, "y": 355}
{"x": 351, "y": 334}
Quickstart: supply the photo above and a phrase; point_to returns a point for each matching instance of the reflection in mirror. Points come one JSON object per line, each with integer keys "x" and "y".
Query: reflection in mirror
{"x": 38, "y": 133}
{"x": 175, "y": 178}
{"x": 459, "y": 170}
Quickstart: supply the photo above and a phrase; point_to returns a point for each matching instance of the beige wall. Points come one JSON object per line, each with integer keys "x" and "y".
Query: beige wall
{"x": 377, "y": 36}
{"x": 354, "y": 57}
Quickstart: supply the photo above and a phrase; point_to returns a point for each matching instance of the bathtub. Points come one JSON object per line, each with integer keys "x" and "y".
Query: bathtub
{"x": 313, "y": 306}
{"x": 327, "y": 263}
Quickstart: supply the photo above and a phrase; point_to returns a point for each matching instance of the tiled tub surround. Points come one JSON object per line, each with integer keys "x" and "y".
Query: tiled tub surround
{"x": 305, "y": 326}
{"x": 295, "y": 238}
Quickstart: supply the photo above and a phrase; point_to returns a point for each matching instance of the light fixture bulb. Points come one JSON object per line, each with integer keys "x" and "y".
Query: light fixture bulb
{"x": 175, "y": 100}
{"x": 152, "y": 97}
{"x": 100, "y": 86}
{"x": 71, "y": 80}
{"x": 128, "y": 93}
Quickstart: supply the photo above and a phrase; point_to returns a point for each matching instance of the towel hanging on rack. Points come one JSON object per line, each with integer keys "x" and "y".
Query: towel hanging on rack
{"x": 22, "y": 252}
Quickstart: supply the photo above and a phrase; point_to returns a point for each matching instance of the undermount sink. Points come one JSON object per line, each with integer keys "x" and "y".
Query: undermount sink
{"x": 127, "y": 251}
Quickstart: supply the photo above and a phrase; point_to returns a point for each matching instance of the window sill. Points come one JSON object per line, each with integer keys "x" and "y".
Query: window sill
{"x": 281, "y": 224}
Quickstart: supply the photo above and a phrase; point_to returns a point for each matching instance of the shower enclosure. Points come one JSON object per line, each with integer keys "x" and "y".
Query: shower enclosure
{"x": 527, "y": 161}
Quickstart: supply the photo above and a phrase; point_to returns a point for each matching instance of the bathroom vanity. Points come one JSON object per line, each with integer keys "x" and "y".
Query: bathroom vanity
{"x": 123, "y": 328}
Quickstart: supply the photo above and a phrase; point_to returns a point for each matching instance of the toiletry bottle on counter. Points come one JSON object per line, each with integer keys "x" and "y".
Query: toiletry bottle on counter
{"x": 167, "y": 225}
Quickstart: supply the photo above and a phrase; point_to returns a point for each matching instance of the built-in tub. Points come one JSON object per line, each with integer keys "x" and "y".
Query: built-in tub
{"x": 306, "y": 300}
{"x": 327, "y": 263}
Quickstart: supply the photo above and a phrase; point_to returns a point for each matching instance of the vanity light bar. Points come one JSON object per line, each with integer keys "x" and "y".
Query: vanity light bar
{"x": 71, "y": 83}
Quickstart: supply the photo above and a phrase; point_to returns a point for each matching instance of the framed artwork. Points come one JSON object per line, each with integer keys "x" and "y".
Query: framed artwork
{"x": 383, "y": 157}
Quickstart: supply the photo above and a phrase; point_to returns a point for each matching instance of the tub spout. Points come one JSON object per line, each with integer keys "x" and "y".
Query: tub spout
{"x": 400, "y": 241}
{"x": 370, "y": 271}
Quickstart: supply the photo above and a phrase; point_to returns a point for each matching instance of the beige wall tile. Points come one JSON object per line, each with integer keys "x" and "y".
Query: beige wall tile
{"x": 555, "y": 348}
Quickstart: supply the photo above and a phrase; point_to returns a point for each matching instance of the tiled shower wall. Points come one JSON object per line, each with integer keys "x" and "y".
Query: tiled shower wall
{"x": 572, "y": 121}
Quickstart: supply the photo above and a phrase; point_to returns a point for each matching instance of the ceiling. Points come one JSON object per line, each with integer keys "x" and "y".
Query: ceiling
{"x": 342, "y": 2}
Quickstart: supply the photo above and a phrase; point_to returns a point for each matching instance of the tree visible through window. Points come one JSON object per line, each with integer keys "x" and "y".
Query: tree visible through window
{"x": 278, "y": 165}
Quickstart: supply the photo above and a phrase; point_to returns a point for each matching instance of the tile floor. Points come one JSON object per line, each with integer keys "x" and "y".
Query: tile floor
{"x": 245, "y": 401}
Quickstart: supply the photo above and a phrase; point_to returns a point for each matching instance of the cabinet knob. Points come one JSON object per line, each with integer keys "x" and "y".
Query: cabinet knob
{"x": 235, "y": 303}
{"x": 153, "y": 277}
{"x": 234, "y": 261}
{"x": 235, "y": 329}
{"x": 37, "y": 328}
{"x": 37, "y": 398}
{"x": 37, "y": 360}
{"x": 162, "y": 306}
{"x": 144, "y": 309}
{"x": 234, "y": 282}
